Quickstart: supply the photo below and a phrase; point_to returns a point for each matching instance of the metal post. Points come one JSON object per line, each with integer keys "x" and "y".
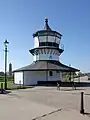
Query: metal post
{"x": 70, "y": 76}
{"x": 73, "y": 76}
{"x": 82, "y": 104}
{"x": 5, "y": 67}
{"x": 78, "y": 77}
{"x": 47, "y": 73}
{"x": 6, "y": 42}
{"x": 2, "y": 88}
{"x": 73, "y": 80}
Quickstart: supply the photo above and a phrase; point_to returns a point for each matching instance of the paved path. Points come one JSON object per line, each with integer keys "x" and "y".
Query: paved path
{"x": 44, "y": 103}
{"x": 16, "y": 108}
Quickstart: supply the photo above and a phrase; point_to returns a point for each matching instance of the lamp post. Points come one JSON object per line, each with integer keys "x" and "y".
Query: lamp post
{"x": 6, "y": 44}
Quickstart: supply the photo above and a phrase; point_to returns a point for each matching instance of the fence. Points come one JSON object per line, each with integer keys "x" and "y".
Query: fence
{"x": 63, "y": 84}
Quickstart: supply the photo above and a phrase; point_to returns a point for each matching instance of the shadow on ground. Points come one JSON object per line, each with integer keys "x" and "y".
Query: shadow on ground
{"x": 4, "y": 91}
{"x": 71, "y": 89}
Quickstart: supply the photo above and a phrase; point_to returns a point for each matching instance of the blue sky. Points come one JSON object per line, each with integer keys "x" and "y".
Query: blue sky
{"x": 19, "y": 19}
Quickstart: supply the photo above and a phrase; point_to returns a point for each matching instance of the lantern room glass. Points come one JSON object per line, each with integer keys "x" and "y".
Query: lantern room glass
{"x": 49, "y": 38}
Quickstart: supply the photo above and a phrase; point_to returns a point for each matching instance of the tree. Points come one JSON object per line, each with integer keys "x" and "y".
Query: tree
{"x": 1, "y": 73}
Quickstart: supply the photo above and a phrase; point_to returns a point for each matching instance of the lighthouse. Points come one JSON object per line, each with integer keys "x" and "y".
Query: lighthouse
{"x": 46, "y": 44}
{"x": 46, "y": 66}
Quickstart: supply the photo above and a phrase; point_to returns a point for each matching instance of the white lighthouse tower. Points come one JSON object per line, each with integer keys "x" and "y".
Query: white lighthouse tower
{"x": 46, "y": 67}
{"x": 46, "y": 44}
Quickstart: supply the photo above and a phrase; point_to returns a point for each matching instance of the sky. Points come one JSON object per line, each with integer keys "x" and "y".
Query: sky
{"x": 19, "y": 19}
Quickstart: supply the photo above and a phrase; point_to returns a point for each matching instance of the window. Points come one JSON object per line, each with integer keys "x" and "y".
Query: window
{"x": 48, "y": 44}
{"x": 50, "y": 73}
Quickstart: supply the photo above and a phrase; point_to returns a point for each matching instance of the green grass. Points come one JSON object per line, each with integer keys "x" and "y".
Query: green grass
{"x": 9, "y": 78}
{"x": 10, "y": 84}
{"x": 9, "y": 81}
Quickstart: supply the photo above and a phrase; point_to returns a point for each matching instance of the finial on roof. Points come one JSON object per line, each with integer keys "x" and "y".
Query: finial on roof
{"x": 46, "y": 20}
{"x": 46, "y": 27}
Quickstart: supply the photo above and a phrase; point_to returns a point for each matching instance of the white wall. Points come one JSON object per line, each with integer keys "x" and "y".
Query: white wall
{"x": 34, "y": 58}
{"x": 18, "y": 77}
{"x": 47, "y": 54}
{"x": 46, "y": 57}
{"x": 31, "y": 77}
{"x": 36, "y": 42}
{"x": 55, "y": 76}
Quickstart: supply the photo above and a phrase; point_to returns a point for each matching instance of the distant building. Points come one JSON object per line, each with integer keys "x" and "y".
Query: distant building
{"x": 10, "y": 69}
{"x": 46, "y": 65}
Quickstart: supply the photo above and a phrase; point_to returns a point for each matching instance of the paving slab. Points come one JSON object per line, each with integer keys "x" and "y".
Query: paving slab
{"x": 12, "y": 108}
{"x": 65, "y": 115}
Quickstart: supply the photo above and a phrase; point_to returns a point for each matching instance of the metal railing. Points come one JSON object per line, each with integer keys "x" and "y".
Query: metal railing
{"x": 61, "y": 46}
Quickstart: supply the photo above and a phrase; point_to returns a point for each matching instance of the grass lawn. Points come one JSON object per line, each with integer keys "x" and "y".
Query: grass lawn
{"x": 9, "y": 81}
{"x": 10, "y": 84}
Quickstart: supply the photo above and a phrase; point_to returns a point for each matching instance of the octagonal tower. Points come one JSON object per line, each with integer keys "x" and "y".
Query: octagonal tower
{"x": 46, "y": 44}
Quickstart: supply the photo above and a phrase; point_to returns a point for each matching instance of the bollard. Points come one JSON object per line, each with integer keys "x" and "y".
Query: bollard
{"x": 2, "y": 88}
{"x": 82, "y": 103}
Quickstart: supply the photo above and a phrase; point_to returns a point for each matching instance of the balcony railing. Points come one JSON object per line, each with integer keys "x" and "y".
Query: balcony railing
{"x": 62, "y": 46}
